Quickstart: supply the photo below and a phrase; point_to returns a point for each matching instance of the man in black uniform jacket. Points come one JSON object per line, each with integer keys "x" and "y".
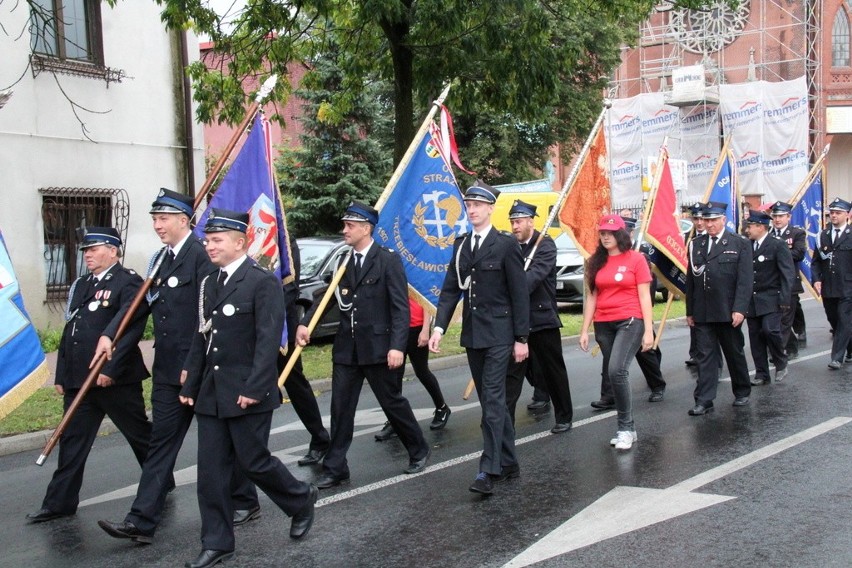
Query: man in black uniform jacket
{"x": 371, "y": 339}
{"x": 796, "y": 241}
{"x": 97, "y": 303}
{"x": 487, "y": 269}
{"x": 545, "y": 341}
{"x": 773, "y": 280}
{"x": 232, "y": 382}
{"x": 173, "y": 301}
{"x": 832, "y": 273}
{"x": 718, "y": 291}
{"x": 297, "y": 386}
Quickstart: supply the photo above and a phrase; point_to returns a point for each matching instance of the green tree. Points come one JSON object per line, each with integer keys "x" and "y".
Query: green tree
{"x": 338, "y": 161}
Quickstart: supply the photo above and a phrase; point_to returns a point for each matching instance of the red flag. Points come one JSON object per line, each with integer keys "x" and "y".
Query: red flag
{"x": 588, "y": 199}
{"x": 663, "y": 230}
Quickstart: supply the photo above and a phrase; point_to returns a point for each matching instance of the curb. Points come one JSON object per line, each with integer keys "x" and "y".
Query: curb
{"x": 35, "y": 440}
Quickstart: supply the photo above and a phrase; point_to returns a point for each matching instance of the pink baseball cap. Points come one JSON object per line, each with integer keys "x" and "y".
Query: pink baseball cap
{"x": 611, "y": 223}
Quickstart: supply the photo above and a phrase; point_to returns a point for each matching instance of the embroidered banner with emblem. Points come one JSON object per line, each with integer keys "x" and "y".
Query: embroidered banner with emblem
{"x": 723, "y": 189}
{"x": 250, "y": 186}
{"x": 421, "y": 217}
{"x": 807, "y": 205}
{"x": 668, "y": 251}
{"x": 23, "y": 368}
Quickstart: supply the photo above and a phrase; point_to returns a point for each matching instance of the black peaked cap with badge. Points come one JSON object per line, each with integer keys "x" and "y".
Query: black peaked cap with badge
{"x": 95, "y": 236}
{"x": 481, "y": 191}
{"x": 522, "y": 209}
{"x": 226, "y": 220}
{"x": 169, "y": 201}
{"x": 361, "y": 212}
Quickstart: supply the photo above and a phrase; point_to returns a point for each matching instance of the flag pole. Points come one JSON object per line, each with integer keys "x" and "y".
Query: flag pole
{"x": 100, "y": 359}
{"x": 569, "y": 181}
{"x": 655, "y": 187}
{"x": 338, "y": 276}
{"x": 803, "y": 187}
{"x": 663, "y": 319}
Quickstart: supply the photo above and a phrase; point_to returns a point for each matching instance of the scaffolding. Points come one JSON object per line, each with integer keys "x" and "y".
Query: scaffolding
{"x": 771, "y": 40}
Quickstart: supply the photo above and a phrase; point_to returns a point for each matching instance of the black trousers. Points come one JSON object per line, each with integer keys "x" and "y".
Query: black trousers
{"x": 304, "y": 402}
{"x": 346, "y": 384}
{"x": 765, "y": 339}
{"x": 419, "y": 357}
{"x": 799, "y": 327}
{"x": 709, "y": 338}
{"x": 125, "y": 407}
{"x": 171, "y": 422}
{"x": 788, "y": 338}
{"x": 548, "y": 367}
{"x": 228, "y": 443}
{"x": 833, "y": 314}
{"x": 488, "y": 367}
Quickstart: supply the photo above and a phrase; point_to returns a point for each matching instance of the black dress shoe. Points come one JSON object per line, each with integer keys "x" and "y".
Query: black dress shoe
{"x": 44, "y": 515}
{"x": 417, "y": 466}
{"x": 657, "y": 396}
{"x": 386, "y": 434}
{"x": 741, "y": 401}
{"x": 441, "y": 416}
{"x": 126, "y": 530}
{"x": 757, "y": 381}
{"x": 700, "y": 410}
{"x": 328, "y": 481}
{"x": 242, "y": 516}
{"x": 603, "y": 404}
{"x": 560, "y": 427}
{"x": 691, "y": 363}
{"x": 313, "y": 457}
{"x": 538, "y": 405}
{"x": 507, "y": 472}
{"x": 482, "y": 484}
{"x": 210, "y": 558}
{"x": 303, "y": 520}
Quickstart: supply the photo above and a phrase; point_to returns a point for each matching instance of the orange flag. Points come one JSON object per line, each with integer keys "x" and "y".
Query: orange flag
{"x": 588, "y": 199}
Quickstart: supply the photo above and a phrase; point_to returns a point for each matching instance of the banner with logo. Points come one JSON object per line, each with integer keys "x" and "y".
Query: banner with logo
{"x": 624, "y": 146}
{"x": 768, "y": 126}
{"x": 421, "y": 218}
{"x": 699, "y": 147}
{"x": 723, "y": 188}
{"x": 808, "y": 202}
{"x": 23, "y": 368}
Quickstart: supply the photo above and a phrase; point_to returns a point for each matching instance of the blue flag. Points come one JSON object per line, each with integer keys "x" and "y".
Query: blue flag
{"x": 249, "y": 186}
{"x": 724, "y": 191}
{"x": 807, "y": 213}
{"x": 23, "y": 368}
{"x": 421, "y": 218}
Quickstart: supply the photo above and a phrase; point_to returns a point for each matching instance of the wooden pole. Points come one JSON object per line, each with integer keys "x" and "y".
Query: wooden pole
{"x": 662, "y": 325}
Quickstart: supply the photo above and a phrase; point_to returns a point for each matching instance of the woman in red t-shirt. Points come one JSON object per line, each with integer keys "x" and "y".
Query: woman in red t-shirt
{"x": 619, "y": 303}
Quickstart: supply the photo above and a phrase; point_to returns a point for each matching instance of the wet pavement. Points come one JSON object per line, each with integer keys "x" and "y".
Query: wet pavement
{"x": 762, "y": 485}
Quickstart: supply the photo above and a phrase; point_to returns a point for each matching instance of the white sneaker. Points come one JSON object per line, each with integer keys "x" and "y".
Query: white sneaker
{"x": 624, "y": 440}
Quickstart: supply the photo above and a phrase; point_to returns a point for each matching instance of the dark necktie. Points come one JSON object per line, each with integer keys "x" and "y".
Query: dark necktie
{"x": 475, "y": 245}
{"x": 836, "y": 235}
{"x": 220, "y": 285}
{"x": 167, "y": 261}
{"x": 712, "y": 243}
{"x": 755, "y": 246}
{"x": 358, "y": 257}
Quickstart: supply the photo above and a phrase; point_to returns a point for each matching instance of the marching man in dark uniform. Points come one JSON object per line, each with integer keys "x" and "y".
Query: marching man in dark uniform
{"x": 695, "y": 211}
{"x": 97, "y": 303}
{"x": 545, "y": 341}
{"x": 832, "y": 274}
{"x": 487, "y": 268}
{"x": 173, "y": 301}
{"x": 718, "y": 292}
{"x": 793, "y": 320}
{"x": 232, "y": 382}
{"x": 370, "y": 342}
{"x": 773, "y": 280}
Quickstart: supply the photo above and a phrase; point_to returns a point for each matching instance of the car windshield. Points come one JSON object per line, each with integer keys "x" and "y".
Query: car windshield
{"x": 564, "y": 243}
{"x": 313, "y": 253}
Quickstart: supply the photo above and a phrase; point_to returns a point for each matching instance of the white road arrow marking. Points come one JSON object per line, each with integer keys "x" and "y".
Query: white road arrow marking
{"x": 626, "y": 509}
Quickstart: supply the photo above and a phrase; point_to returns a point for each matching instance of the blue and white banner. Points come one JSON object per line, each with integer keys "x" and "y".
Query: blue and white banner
{"x": 421, "y": 218}
{"x": 23, "y": 368}
{"x": 724, "y": 190}
{"x": 807, "y": 214}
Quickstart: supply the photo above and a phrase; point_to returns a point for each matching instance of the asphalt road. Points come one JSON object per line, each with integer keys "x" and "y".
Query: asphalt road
{"x": 763, "y": 485}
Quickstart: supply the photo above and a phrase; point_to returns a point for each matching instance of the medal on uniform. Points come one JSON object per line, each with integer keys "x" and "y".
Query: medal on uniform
{"x": 761, "y": 258}
{"x": 228, "y": 309}
{"x": 93, "y": 305}
{"x": 98, "y": 294}
{"x": 105, "y": 303}
{"x": 107, "y": 294}
{"x": 172, "y": 282}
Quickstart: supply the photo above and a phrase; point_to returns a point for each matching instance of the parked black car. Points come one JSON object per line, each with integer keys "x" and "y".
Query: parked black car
{"x": 319, "y": 259}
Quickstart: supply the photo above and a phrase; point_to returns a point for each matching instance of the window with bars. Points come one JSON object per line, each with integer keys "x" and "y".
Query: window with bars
{"x": 840, "y": 52}
{"x": 63, "y": 211}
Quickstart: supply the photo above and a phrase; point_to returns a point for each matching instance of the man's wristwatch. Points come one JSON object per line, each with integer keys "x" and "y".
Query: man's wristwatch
{"x": 521, "y": 338}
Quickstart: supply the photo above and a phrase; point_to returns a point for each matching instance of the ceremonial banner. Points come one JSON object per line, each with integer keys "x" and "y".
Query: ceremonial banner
{"x": 248, "y": 186}
{"x": 624, "y": 145}
{"x": 723, "y": 189}
{"x": 588, "y": 198}
{"x": 421, "y": 217}
{"x": 23, "y": 368}
{"x": 807, "y": 214}
{"x": 699, "y": 147}
{"x": 662, "y": 232}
